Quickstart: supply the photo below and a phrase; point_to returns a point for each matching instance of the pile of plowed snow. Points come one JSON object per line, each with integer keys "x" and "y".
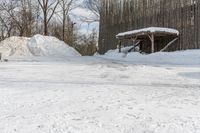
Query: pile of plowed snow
{"x": 50, "y": 46}
{"x": 38, "y": 45}
{"x": 15, "y": 46}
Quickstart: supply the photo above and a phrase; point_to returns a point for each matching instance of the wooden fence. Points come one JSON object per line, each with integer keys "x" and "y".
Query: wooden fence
{"x": 123, "y": 15}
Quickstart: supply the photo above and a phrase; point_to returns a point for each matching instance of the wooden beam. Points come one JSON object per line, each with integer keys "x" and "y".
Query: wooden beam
{"x": 152, "y": 43}
{"x": 170, "y": 43}
{"x": 151, "y": 37}
{"x": 134, "y": 39}
{"x": 120, "y": 45}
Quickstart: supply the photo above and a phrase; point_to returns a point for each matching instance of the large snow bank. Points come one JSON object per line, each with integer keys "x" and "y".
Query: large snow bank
{"x": 14, "y": 46}
{"x": 38, "y": 45}
{"x": 50, "y": 46}
{"x": 187, "y": 57}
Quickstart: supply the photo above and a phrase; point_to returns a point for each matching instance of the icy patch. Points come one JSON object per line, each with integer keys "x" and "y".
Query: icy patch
{"x": 50, "y": 46}
{"x": 193, "y": 75}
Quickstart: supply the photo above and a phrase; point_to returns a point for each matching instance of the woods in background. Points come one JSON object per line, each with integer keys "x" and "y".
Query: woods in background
{"x": 28, "y": 17}
{"x": 48, "y": 17}
{"x": 123, "y": 15}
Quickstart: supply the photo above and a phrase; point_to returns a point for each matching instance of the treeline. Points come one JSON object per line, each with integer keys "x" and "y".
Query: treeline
{"x": 28, "y": 17}
{"x": 122, "y": 15}
{"x": 48, "y": 17}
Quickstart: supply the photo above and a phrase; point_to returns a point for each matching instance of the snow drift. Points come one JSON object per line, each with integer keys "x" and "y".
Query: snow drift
{"x": 50, "y": 46}
{"x": 14, "y": 46}
{"x": 38, "y": 45}
{"x": 187, "y": 57}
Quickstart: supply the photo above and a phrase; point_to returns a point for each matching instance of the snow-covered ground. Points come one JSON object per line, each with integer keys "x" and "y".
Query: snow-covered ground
{"x": 187, "y": 57}
{"x": 101, "y": 94}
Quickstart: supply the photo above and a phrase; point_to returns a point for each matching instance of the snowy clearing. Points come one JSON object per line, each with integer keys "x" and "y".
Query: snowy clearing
{"x": 99, "y": 95}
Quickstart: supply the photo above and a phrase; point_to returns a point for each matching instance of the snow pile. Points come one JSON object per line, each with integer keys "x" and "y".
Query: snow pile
{"x": 15, "y": 46}
{"x": 188, "y": 57}
{"x": 38, "y": 45}
{"x": 50, "y": 46}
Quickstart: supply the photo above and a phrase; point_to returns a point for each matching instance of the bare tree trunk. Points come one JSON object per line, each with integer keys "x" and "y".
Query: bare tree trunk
{"x": 64, "y": 25}
{"x": 47, "y": 6}
{"x": 45, "y": 24}
{"x": 67, "y": 6}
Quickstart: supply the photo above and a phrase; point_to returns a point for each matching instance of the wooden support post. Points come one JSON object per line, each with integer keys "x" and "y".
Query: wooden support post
{"x": 152, "y": 43}
{"x": 120, "y": 45}
{"x": 133, "y": 43}
{"x": 151, "y": 37}
{"x": 170, "y": 43}
{"x": 134, "y": 40}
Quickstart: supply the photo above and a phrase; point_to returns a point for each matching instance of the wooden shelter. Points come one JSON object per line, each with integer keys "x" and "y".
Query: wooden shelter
{"x": 123, "y": 15}
{"x": 150, "y": 40}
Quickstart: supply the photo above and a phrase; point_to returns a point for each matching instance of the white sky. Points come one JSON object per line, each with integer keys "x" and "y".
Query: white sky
{"x": 85, "y": 28}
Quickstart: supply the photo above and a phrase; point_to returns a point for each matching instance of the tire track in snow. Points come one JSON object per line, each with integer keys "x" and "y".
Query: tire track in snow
{"x": 15, "y": 82}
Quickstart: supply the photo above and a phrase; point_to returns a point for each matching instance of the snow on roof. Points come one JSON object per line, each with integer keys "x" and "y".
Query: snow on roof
{"x": 149, "y": 30}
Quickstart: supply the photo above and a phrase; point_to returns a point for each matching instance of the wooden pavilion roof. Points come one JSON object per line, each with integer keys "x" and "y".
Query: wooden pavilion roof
{"x": 157, "y": 31}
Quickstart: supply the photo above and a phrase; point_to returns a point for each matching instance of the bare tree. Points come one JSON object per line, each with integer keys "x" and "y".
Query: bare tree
{"x": 38, "y": 25}
{"x": 87, "y": 44}
{"x": 27, "y": 17}
{"x": 17, "y": 15}
{"x": 6, "y": 25}
{"x": 8, "y": 15}
{"x": 66, "y": 6}
{"x": 48, "y": 8}
{"x": 5, "y": 28}
{"x": 94, "y": 6}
